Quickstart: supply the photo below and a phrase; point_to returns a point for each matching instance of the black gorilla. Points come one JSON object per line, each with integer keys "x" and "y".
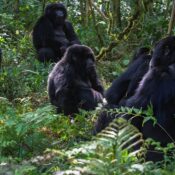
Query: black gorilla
{"x": 73, "y": 82}
{"x": 158, "y": 85}
{"x": 52, "y": 33}
{"x": 157, "y": 88}
{"x": 125, "y": 85}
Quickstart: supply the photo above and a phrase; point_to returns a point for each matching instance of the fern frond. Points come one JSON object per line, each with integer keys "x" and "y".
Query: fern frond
{"x": 111, "y": 150}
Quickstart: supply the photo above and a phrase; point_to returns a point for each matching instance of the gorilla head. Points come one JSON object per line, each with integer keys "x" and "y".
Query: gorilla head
{"x": 56, "y": 12}
{"x": 164, "y": 53}
{"x": 81, "y": 58}
{"x": 141, "y": 51}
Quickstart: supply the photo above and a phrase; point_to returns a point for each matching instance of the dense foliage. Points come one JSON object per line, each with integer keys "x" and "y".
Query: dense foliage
{"x": 35, "y": 140}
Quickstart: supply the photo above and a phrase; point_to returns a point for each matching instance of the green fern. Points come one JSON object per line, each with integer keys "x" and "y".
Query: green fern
{"x": 113, "y": 151}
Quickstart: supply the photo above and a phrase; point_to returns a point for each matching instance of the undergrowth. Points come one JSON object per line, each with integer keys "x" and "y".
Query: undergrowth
{"x": 33, "y": 138}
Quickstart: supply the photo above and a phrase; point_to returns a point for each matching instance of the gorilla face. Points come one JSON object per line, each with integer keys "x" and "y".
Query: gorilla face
{"x": 56, "y": 12}
{"x": 164, "y": 53}
{"x": 82, "y": 57}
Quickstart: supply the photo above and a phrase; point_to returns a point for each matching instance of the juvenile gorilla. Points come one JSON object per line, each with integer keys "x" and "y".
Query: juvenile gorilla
{"x": 125, "y": 85}
{"x": 158, "y": 89}
{"x": 52, "y": 33}
{"x": 73, "y": 82}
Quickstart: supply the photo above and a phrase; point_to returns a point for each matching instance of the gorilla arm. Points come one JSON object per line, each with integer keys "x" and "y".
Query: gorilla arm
{"x": 70, "y": 33}
{"x": 43, "y": 32}
{"x": 60, "y": 83}
{"x": 119, "y": 87}
{"x": 92, "y": 75}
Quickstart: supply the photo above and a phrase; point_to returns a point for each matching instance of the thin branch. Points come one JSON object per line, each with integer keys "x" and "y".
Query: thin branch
{"x": 94, "y": 21}
{"x": 99, "y": 11}
{"x": 120, "y": 36}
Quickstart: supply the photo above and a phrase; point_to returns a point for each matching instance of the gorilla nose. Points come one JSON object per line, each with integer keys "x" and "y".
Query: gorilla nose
{"x": 59, "y": 13}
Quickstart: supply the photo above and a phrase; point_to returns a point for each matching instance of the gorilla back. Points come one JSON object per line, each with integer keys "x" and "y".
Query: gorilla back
{"x": 52, "y": 33}
{"x": 73, "y": 82}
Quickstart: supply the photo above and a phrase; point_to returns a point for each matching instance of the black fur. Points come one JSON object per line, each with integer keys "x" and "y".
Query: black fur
{"x": 139, "y": 52}
{"x": 73, "y": 82}
{"x": 52, "y": 33}
{"x": 125, "y": 85}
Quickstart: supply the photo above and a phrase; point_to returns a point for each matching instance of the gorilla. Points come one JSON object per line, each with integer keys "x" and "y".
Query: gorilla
{"x": 73, "y": 82}
{"x": 157, "y": 88}
{"x": 52, "y": 33}
{"x": 125, "y": 85}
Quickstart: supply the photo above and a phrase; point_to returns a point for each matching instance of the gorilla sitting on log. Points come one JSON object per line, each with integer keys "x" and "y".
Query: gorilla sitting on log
{"x": 125, "y": 85}
{"x": 157, "y": 88}
{"x": 73, "y": 82}
{"x": 52, "y": 33}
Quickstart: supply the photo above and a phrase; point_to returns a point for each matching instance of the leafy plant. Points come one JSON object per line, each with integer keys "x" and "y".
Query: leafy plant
{"x": 113, "y": 151}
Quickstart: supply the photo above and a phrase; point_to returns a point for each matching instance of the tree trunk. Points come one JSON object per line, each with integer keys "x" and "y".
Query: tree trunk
{"x": 116, "y": 15}
{"x": 94, "y": 21}
{"x": 16, "y": 7}
{"x": 83, "y": 13}
{"x": 87, "y": 13}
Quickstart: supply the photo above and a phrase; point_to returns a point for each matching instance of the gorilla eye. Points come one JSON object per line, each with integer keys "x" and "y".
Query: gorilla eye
{"x": 89, "y": 56}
